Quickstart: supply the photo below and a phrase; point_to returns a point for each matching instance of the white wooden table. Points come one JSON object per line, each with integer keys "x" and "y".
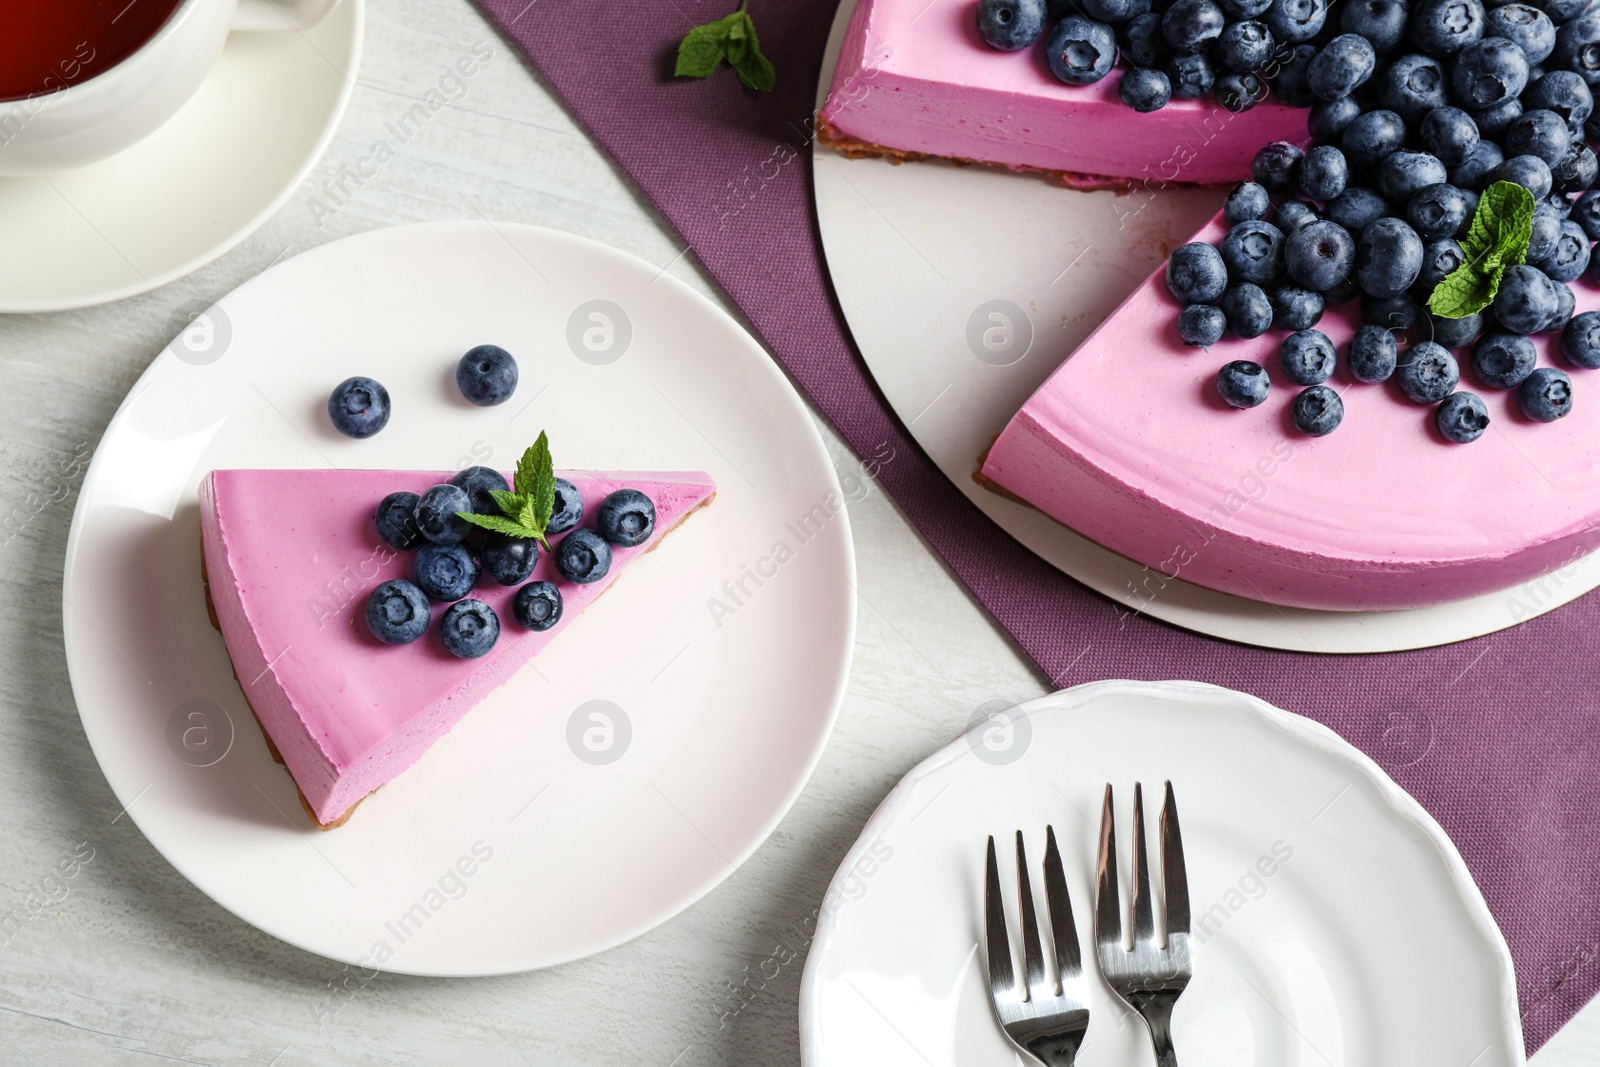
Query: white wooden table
{"x": 133, "y": 964}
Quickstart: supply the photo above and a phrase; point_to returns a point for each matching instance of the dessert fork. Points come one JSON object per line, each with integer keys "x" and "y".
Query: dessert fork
{"x": 1044, "y": 1016}
{"x": 1150, "y": 976}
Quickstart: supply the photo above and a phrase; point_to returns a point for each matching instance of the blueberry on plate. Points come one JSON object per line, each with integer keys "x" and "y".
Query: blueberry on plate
{"x": 1342, "y": 65}
{"x": 396, "y": 520}
{"x": 1243, "y": 384}
{"x": 1371, "y": 137}
{"x": 1276, "y": 167}
{"x": 1191, "y": 25}
{"x": 1388, "y": 257}
{"x": 1538, "y": 133}
{"x": 1527, "y": 27}
{"x": 1402, "y": 174}
{"x": 469, "y": 629}
{"x": 1427, "y": 372}
{"x": 359, "y": 407}
{"x": 567, "y": 511}
{"x": 583, "y": 557}
{"x": 1545, "y": 233}
{"x": 1545, "y": 395}
{"x": 1308, "y": 357}
{"x": 1249, "y": 201}
{"x": 1191, "y": 73}
{"x": 1356, "y": 208}
{"x": 537, "y": 605}
{"x": 1373, "y": 354}
{"x": 445, "y": 572}
{"x": 1196, "y": 274}
{"x": 1530, "y": 172}
{"x": 1324, "y": 173}
{"x": 1449, "y": 134}
{"x": 1437, "y": 211}
{"x": 1317, "y": 411}
{"x": 1320, "y": 255}
{"x": 1010, "y": 25}
{"x": 1295, "y": 309}
{"x": 1503, "y": 360}
{"x": 1248, "y": 310}
{"x": 1576, "y": 49}
{"x": 1580, "y": 341}
{"x": 1489, "y": 73}
{"x": 1462, "y": 418}
{"x": 509, "y": 560}
{"x": 487, "y": 375}
{"x": 437, "y": 516}
{"x": 1253, "y": 252}
{"x": 478, "y": 483}
{"x": 1145, "y": 89}
{"x": 1444, "y": 27}
{"x": 626, "y": 518}
{"x": 1570, "y": 257}
{"x": 1526, "y": 300}
{"x": 1201, "y": 325}
{"x": 398, "y": 612}
{"x": 1081, "y": 51}
{"x": 1411, "y": 86}
{"x": 1295, "y": 215}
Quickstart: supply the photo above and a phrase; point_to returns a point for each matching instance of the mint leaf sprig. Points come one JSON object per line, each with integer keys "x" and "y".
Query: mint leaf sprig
{"x": 1498, "y": 238}
{"x": 732, "y": 38}
{"x": 525, "y": 511}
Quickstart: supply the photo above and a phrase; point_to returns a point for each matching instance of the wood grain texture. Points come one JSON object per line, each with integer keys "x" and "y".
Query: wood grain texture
{"x": 131, "y": 964}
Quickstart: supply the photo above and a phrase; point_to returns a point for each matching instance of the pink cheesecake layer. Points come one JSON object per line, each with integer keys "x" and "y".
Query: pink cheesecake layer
{"x": 1129, "y": 444}
{"x": 914, "y": 76}
{"x": 291, "y": 556}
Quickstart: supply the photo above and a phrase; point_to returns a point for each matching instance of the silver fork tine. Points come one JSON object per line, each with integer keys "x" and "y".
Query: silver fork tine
{"x": 1175, "y": 876}
{"x": 1064, "y": 931}
{"x": 1001, "y": 977}
{"x": 1032, "y": 951}
{"x": 1144, "y": 920}
{"x": 1108, "y": 905}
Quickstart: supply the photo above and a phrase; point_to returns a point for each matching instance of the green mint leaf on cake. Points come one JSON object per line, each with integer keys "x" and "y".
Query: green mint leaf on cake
{"x": 1498, "y": 238}
{"x": 732, "y": 38}
{"x": 525, "y": 511}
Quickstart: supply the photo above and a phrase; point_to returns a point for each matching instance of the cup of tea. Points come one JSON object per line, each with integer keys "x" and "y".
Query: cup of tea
{"x": 81, "y": 80}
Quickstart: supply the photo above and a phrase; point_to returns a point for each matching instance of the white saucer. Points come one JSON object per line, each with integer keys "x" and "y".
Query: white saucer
{"x": 920, "y": 253}
{"x": 719, "y": 661}
{"x": 193, "y": 189}
{"x": 1333, "y": 921}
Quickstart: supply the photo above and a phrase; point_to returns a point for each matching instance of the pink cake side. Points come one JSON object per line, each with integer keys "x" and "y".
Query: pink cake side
{"x": 915, "y": 77}
{"x": 291, "y": 557}
{"x": 1129, "y": 444}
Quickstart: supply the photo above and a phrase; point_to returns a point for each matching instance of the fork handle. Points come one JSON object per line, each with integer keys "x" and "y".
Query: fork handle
{"x": 1157, "y": 1013}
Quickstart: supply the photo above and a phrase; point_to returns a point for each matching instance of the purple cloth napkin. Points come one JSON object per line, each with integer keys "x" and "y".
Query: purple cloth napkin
{"x": 1496, "y": 737}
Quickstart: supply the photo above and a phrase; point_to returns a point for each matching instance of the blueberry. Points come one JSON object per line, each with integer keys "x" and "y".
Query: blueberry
{"x": 1437, "y": 211}
{"x": 1530, "y": 172}
{"x": 1538, "y": 133}
{"x": 1253, "y": 252}
{"x": 1244, "y": 9}
{"x": 1342, "y": 65}
{"x": 359, "y": 407}
{"x": 1371, "y": 137}
{"x": 1248, "y": 310}
{"x": 1580, "y": 341}
{"x": 1454, "y": 333}
{"x": 1356, "y": 208}
{"x": 1239, "y": 92}
{"x": 1295, "y": 309}
{"x": 1462, "y": 418}
{"x": 537, "y": 605}
{"x": 1494, "y": 121}
{"x": 1192, "y": 75}
{"x": 469, "y": 629}
{"x": 1388, "y": 257}
{"x": 1291, "y": 81}
{"x": 1489, "y": 72}
{"x": 1319, "y": 256}
{"x": 478, "y": 483}
{"x": 626, "y": 518}
{"x": 1141, "y": 41}
{"x": 1576, "y": 171}
{"x": 437, "y": 516}
{"x": 1570, "y": 257}
{"x": 509, "y": 560}
{"x": 1427, "y": 372}
{"x": 1449, "y": 134}
{"x": 1201, "y": 325}
{"x": 1412, "y": 86}
{"x": 1295, "y": 215}
{"x": 1324, "y": 173}
{"x": 1276, "y": 167}
{"x": 567, "y": 511}
{"x": 1243, "y": 384}
{"x": 1403, "y": 174}
{"x": 1439, "y": 259}
{"x": 1586, "y": 213}
{"x": 1307, "y": 357}
{"x": 1196, "y": 274}
{"x": 1112, "y": 11}
{"x": 1503, "y": 360}
{"x": 1293, "y": 21}
{"x": 1527, "y": 27}
{"x": 1373, "y": 354}
{"x": 1526, "y": 299}
{"x": 1545, "y": 233}
{"x": 1329, "y": 118}
{"x": 1391, "y": 312}
{"x": 1578, "y": 48}
{"x": 487, "y": 375}
{"x": 1382, "y": 22}
{"x": 1145, "y": 89}
{"x": 1317, "y": 411}
{"x": 1245, "y": 46}
{"x": 445, "y": 572}
{"x": 396, "y": 519}
{"x": 398, "y": 612}
{"x": 583, "y": 557}
{"x": 1546, "y": 395}
{"x": 1566, "y": 304}
{"x": 1191, "y": 25}
{"x": 1010, "y": 25}
{"x": 1247, "y": 201}
{"x": 1444, "y": 27}
{"x": 1474, "y": 173}
{"x": 1564, "y": 92}
{"x": 1081, "y": 51}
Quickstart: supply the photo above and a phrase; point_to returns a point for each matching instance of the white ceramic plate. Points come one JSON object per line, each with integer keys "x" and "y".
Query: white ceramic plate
{"x": 196, "y": 187}
{"x": 1334, "y": 922}
{"x": 923, "y": 254}
{"x": 597, "y": 829}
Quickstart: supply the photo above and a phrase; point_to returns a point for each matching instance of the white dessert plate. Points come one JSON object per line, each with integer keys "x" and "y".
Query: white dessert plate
{"x": 192, "y": 190}
{"x": 622, "y": 773}
{"x": 1333, "y": 921}
{"x": 965, "y": 287}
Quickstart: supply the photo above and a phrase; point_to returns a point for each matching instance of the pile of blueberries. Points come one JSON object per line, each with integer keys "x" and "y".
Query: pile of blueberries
{"x": 452, "y": 555}
{"x": 1418, "y": 108}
